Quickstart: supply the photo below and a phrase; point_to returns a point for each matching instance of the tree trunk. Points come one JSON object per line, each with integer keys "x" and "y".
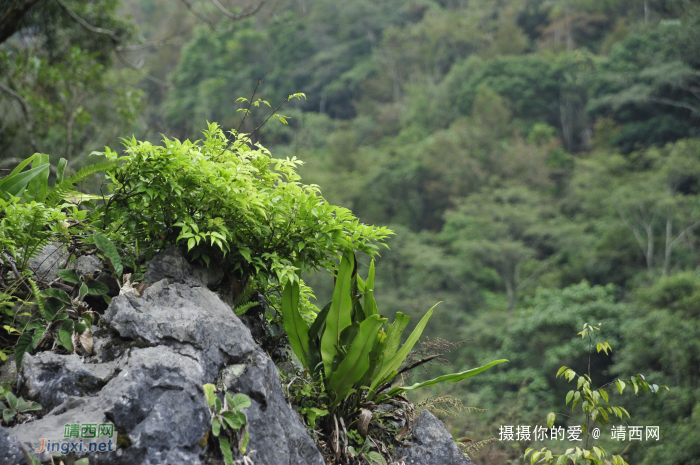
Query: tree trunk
{"x": 12, "y": 20}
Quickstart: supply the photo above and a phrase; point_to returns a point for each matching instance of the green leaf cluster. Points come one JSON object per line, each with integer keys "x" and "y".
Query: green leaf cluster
{"x": 16, "y": 405}
{"x": 594, "y": 405}
{"x": 349, "y": 346}
{"x": 225, "y": 197}
{"x": 228, "y": 418}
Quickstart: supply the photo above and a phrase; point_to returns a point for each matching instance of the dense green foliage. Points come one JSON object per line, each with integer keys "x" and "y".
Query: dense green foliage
{"x": 538, "y": 160}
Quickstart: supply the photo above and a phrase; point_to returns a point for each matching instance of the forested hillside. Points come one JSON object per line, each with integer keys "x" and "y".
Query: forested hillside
{"x": 538, "y": 160}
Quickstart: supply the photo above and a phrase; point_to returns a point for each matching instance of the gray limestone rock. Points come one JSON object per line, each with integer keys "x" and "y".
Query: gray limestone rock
{"x": 146, "y": 378}
{"x": 431, "y": 444}
{"x": 10, "y": 453}
{"x": 50, "y": 378}
{"x": 87, "y": 264}
{"x": 170, "y": 264}
{"x": 47, "y": 263}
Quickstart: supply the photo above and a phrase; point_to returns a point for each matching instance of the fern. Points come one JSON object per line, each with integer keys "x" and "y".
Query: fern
{"x": 245, "y": 296}
{"x": 65, "y": 187}
{"x": 38, "y": 297}
{"x": 243, "y": 303}
{"x": 240, "y": 310}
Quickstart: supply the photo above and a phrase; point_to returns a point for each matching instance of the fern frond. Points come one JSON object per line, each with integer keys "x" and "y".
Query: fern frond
{"x": 63, "y": 188}
{"x": 38, "y": 297}
{"x": 245, "y": 296}
{"x": 244, "y": 308}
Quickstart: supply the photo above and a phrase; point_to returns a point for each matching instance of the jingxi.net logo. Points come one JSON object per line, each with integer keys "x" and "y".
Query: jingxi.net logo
{"x": 85, "y": 437}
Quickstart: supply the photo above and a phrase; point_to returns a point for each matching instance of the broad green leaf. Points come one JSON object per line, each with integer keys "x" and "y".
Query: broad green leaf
{"x": 226, "y": 450}
{"x": 24, "y": 344}
{"x": 39, "y": 185}
{"x": 313, "y": 360}
{"x": 51, "y": 308}
{"x": 111, "y": 254}
{"x": 97, "y": 288}
{"x": 393, "y": 335}
{"x": 12, "y": 400}
{"x": 209, "y": 390}
{"x": 551, "y": 416}
{"x": 61, "y": 170}
{"x": 356, "y": 361}
{"x": 69, "y": 275}
{"x": 452, "y": 378}
{"x": 243, "y": 443}
{"x": 370, "y": 303}
{"x": 58, "y": 294}
{"x": 83, "y": 291}
{"x": 569, "y": 395}
{"x": 240, "y": 401}
{"x": 235, "y": 420}
{"x": 8, "y": 415}
{"x": 296, "y": 328}
{"x": 85, "y": 461}
{"x": 375, "y": 458}
{"x": 320, "y": 322}
{"x": 14, "y": 184}
{"x": 65, "y": 334}
{"x": 339, "y": 314}
{"x": 21, "y": 166}
{"x": 38, "y": 334}
{"x": 215, "y": 427}
{"x": 392, "y": 364}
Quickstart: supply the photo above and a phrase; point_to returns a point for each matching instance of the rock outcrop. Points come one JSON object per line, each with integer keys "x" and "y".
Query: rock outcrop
{"x": 431, "y": 444}
{"x": 151, "y": 358}
{"x": 146, "y": 377}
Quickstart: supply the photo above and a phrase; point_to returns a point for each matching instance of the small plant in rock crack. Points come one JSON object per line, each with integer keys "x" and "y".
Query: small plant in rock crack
{"x": 14, "y": 406}
{"x": 595, "y": 406}
{"x": 227, "y": 420}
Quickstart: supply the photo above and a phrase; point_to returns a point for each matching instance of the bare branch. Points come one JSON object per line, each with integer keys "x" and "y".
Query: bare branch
{"x": 27, "y": 113}
{"x": 82, "y": 22}
{"x": 136, "y": 68}
{"x": 157, "y": 43}
{"x": 188, "y": 4}
{"x": 685, "y": 231}
{"x": 245, "y": 14}
{"x": 674, "y": 103}
{"x": 632, "y": 227}
{"x": 18, "y": 97}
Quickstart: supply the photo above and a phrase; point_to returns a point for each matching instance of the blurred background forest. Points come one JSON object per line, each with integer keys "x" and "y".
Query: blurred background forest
{"x": 539, "y": 161}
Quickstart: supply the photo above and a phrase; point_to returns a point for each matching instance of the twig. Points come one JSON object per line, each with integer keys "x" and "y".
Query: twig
{"x": 188, "y": 4}
{"x": 86, "y": 25}
{"x": 271, "y": 114}
{"x": 417, "y": 364}
{"x": 115, "y": 40}
{"x": 241, "y": 15}
{"x": 250, "y": 103}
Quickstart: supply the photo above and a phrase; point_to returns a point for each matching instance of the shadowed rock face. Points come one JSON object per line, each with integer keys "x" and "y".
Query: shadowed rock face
{"x": 147, "y": 373}
{"x": 10, "y": 453}
{"x": 431, "y": 444}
